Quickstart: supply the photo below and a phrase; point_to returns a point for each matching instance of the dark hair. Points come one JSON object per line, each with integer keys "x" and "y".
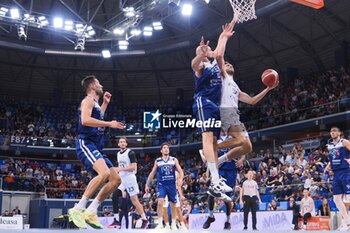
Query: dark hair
{"x": 123, "y": 137}
{"x": 336, "y": 127}
{"x": 85, "y": 83}
{"x": 164, "y": 144}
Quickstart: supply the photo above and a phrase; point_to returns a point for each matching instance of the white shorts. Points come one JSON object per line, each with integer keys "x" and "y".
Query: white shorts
{"x": 230, "y": 117}
{"x": 166, "y": 201}
{"x": 129, "y": 183}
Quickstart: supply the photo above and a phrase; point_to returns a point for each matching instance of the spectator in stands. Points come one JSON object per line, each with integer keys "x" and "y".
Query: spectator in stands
{"x": 6, "y": 214}
{"x": 16, "y": 210}
{"x": 272, "y": 205}
{"x": 324, "y": 209}
{"x": 296, "y": 212}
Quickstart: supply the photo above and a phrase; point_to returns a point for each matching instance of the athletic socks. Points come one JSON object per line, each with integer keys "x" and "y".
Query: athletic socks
{"x": 143, "y": 216}
{"x": 93, "y": 206}
{"x": 228, "y": 218}
{"x": 160, "y": 221}
{"x": 82, "y": 203}
{"x": 213, "y": 171}
{"x": 116, "y": 216}
{"x": 211, "y": 213}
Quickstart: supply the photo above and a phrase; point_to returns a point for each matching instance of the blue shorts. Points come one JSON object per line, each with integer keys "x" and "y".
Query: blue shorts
{"x": 88, "y": 154}
{"x": 204, "y": 110}
{"x": 341, "y": 182}
{"x": 230, "y": 176}
{"x": 167, "y": 190}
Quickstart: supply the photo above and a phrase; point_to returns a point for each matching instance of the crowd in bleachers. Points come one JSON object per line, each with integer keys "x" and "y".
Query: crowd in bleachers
{"x": 300, "y": 99}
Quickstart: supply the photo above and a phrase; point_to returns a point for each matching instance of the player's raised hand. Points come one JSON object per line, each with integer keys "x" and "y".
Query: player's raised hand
{"x": 107, "y": 97}
{"x": 116, "y": 125}
{"x": 204, "y": 46}
{"x": 277, "y": 82}
{"x": 147, "y": 189}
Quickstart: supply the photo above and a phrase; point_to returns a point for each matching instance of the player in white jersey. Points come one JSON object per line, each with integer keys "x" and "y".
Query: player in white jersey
{"x": 179, "y": 198}
{"x": 127, "y": 168}
{"x": 231, "y": 124}
{"x": 307, "y": 207}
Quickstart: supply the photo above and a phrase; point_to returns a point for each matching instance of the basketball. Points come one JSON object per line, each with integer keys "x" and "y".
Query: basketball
{"x": 269, "y": 77}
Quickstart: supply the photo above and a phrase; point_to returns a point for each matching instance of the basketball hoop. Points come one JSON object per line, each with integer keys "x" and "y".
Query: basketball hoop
{"x": 243, "y": 9}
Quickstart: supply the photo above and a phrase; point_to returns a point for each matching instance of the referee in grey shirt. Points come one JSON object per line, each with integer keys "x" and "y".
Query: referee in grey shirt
{"x": 248, "y": 196}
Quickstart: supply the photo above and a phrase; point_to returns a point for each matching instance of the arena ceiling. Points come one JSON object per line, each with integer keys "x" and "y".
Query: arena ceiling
{"x": 284, "y": 35}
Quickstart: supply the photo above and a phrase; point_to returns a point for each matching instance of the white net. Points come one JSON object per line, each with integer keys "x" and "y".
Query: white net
{"x": 243, "y": 9}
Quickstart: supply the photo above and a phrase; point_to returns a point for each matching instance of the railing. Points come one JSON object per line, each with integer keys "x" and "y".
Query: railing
{"x": 18, "y": 183}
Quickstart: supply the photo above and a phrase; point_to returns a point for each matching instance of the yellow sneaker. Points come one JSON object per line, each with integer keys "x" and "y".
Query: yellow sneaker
{"x": 78, "y": 218}
{"x": 92, "y": 219}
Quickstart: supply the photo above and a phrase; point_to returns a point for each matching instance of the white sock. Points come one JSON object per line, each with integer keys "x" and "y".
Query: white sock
{"x": 213, "y": 171}
{"x": 116, "y": 216}
{"x": 160, "y": 221}
{"x": 223, "y": 159}
{"x": 143, "y": 216}
{"x": 82, "y": 203}
{"x": 183, "y": 224}
{"x": 167, "y": 224}
{"x": 173, "y": 221}
{"x": 228, "y": 218}
{"x": 93, "y": 206}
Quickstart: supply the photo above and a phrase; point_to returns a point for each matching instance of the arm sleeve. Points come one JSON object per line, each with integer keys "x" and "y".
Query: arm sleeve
{"x": 132, "y": 157}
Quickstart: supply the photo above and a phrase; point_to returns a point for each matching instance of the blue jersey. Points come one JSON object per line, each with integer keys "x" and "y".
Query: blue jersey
{"x": 93, "y": 134}
{"x": 230, "y": 164}
{"x": 166, "y": 171}
{"x": 337, "y": 155}
{"x": 209, "y": 84}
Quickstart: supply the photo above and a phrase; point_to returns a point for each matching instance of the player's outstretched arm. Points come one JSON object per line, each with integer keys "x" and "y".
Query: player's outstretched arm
{"x": 201, "y": 53}
{"x": 181, "y": 172}
{"x": 150, "y": 176}
{"x": 245, "y": 98}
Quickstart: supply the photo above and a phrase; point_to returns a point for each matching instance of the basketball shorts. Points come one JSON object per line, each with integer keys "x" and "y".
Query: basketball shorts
{"x": 88, "y": 154}
{"x": 231, "y": 177}
{"x": 341, "y": 182}
{"x": 206, "y": 110}
{"x": 167, "y": 190}
{"x": 129, "y": 183}
{"x": 166, "y": 201}
{"x": 230, "y": 117}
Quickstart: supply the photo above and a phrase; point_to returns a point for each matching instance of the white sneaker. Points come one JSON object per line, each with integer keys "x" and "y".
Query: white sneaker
{"x": 182, "y": 226}
{"x": 173, "y": 227}
{"x": 343, "y": 227}
{"x": 159, "y": 227}
{"x": 201, "y": 153}
{"x": 217, "y": 194}
{"x": 167, "y": 227}
{"x": 227, "y": 188}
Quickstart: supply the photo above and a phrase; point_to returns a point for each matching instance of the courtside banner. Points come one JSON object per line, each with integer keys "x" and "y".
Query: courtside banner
{"x": 15, "y": 222}
{"x": 316, "y": 223}
{"x": 266, "y": 220}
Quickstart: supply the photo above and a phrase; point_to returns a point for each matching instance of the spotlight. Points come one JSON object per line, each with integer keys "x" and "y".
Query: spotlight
{"x": 118, "y": 31}
{"x": 90, "y": 31}
{"x": 3, "y": 11}
{"x": 129, "y": 12}
{"x": 147, "y": 31}
{"x": 43, "y": 21}
{"x": 68, "y": 25}
{"x": 80, "y": 44}
{"x": 187, "y": 9}
{"x": 135, "y": 32}
{"x": 29, "y": 18}
{"x": 58, "y": 22}
{"x": 106, "y": 53}
{"x": 123, "y": 44}
{"x": 157, "y": 26}
{"x": 14, "y": 13}
{"x": 207, "y": 1}
{"x": 21, "y": 32}
{"x": 79, "y": 27}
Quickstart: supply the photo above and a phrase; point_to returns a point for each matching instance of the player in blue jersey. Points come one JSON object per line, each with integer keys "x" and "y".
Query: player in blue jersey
{"x": 228, "y": 171}
{"x": 89, "y": 147}
{"x": 207, "y": 95}
{"x": 339, "y": 162}
{"x": 165, "y": 168}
